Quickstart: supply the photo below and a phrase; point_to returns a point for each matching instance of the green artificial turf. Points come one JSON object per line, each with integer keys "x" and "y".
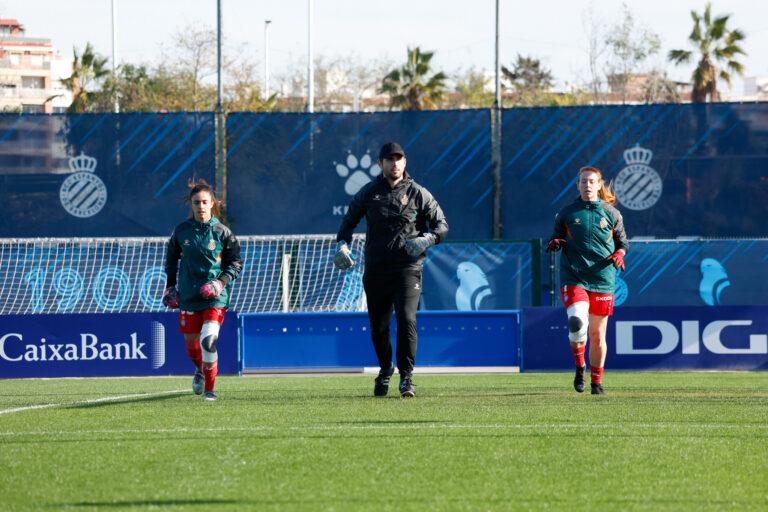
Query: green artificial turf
{"x": 656, "y": 441}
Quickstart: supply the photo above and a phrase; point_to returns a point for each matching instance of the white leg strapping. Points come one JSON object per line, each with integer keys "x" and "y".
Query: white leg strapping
{"x": 209, "y": 335}
{"x": 578, "y": 321}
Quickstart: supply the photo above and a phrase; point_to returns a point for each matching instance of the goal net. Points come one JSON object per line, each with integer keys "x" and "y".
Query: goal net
{"x": 103, "y": 275}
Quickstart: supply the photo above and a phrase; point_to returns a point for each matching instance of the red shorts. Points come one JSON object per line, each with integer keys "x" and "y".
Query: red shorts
{"x": 190, "y": 322}
{"x": 599, "y": 303}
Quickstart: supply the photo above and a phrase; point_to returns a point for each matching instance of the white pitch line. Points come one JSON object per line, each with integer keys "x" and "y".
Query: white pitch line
{"x": 411, "y": 428}
{"x": 87, "y": 402}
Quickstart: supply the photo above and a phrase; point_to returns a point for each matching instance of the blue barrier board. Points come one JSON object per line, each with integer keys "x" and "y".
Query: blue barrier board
{"x": 657, "y": 338}
{"x": 342, "y": 340}
{"x": 80, "y": 345}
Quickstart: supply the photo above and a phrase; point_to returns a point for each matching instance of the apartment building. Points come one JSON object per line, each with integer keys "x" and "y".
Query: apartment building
{"x": 31, "y": 72}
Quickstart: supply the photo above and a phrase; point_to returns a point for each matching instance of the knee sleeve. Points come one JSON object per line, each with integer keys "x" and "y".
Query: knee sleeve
{"x": 209, "y": 335}
{"x": 578, "y": 320}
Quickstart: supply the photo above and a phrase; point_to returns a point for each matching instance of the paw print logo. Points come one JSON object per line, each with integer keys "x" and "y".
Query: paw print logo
{"x": 357, "y": 172}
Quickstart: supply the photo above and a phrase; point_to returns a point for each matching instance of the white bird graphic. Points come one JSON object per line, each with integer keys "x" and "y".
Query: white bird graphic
{"x": 473, "y": 286}
{"x": 714, "y": 279}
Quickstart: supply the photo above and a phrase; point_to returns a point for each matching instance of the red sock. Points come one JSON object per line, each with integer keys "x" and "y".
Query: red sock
{"x": 596, "y": 375}
{"x": 209, "y": 372}
{"x": 578, "y": 354}
{"x": 195, "y": 353}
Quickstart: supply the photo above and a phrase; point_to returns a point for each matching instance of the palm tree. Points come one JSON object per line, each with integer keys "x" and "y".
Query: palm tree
{"x": 715, "y": 42}
{"x": 87, "y": 69}
{"x": 410, "y": 87}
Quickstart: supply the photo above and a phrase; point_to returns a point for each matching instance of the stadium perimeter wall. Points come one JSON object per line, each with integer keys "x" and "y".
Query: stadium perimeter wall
{"x": 679, "y": 170}
{"x": 534, "y": 339}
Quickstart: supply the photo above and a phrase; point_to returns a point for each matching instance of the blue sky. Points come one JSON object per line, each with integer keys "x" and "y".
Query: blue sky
{"x": 461, "y": 32}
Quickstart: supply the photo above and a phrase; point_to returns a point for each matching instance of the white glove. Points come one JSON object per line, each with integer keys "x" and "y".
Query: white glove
{"x": 343, "y": 258}
{"x": 416, "y": 246}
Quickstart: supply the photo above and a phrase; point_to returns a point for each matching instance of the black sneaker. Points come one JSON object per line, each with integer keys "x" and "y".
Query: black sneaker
{"x": 597, "y": 389}
{"x": 578, "y": 380}
{"x": 407, "y": 389}
{"x": 381, "y": 383}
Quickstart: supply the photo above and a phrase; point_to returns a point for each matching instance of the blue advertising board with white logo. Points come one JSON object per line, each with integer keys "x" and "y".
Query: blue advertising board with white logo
{"x": 474, "y": 276}
{"x": 342, "y": 340}
{"x": 657, "y": 338}
{"x": 296, "y": 173}
{"x": 677, "y": 170}
{"x": 90, "y": 345}
{"x": 101, "y": 174}
{"x": 693, "y": 273}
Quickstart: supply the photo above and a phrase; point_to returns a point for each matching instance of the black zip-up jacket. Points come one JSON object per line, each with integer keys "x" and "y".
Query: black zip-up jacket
{"x": 392, "y": 216}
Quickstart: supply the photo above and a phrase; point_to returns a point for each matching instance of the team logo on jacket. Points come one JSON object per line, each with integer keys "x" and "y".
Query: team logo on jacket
{"x": 212, "y": 244}
{"x": 638, "y": 186}
{"x": 404, "y": 199}
{"x": 83, "y": 194}
{"x": 603, "y": 223}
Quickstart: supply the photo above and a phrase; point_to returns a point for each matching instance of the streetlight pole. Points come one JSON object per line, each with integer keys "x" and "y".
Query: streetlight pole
{"x": 266, "y": 59}
{"x": 496, "y": 139}
{"x": 311, "y": 65}
{"x": 114, "y": 51}
{"x": 221, "y": 183}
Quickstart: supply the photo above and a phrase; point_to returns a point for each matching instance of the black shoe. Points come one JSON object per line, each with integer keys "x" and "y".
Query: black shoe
{"x": 381, "y": 383}
{"x": 597, "y": 389}
{"x": 578, "y": 380}
{"x": 407, "y": 389}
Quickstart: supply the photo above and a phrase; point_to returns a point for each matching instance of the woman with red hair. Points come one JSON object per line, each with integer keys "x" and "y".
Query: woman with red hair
{"x": 590, "y": 232}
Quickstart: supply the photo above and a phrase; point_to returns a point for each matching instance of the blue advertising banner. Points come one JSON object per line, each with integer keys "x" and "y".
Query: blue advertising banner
{"x": 657, "y": 338}
{"x": 100, "y": 174}
{"x": 477, "y": 276}
{"x": 91, "y": 345}
{"x": 694, "y": 273}
{"x": 677, "y": 170}
{"x": 296, "y": 173}
{"x": 342, "y": 340}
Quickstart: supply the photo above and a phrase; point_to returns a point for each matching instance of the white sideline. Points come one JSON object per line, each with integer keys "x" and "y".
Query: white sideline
{"x": 86, "y": 402}
{"x": 410, "y": 428}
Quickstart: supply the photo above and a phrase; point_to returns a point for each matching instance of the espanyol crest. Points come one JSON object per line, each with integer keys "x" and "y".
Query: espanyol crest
{"x": 83, "y": 194}
{"x": 637, "y": 185}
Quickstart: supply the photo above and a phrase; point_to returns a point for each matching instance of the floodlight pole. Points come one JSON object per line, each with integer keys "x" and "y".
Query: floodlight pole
{"x": 496, "y": 139}
{"x": 221, "y": 183}
{"x": 266, "y": 59}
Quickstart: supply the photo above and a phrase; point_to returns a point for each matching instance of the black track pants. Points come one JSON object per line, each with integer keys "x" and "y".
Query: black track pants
{"x": 400, "y": 291}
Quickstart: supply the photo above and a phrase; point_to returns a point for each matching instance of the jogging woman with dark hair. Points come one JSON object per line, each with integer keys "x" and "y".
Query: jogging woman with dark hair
{"x": 210, "y": 261}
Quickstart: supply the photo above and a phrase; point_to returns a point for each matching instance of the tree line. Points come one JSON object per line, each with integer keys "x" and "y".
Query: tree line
{"x": 617, "y": 73}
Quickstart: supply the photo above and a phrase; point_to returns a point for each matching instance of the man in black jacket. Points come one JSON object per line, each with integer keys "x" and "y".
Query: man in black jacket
{"x": 402, "y": 221}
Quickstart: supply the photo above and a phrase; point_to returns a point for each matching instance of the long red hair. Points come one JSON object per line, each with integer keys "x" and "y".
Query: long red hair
{"x": 606, "y": 191}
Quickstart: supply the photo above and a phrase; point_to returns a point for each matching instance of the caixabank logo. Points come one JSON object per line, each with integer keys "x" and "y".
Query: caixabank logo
{"x": 82, "y": 345}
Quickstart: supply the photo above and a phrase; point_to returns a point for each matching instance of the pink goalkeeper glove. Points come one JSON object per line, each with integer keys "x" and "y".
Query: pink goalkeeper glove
{"x": 171, "y": 297}
{"x": 211, "y": 289}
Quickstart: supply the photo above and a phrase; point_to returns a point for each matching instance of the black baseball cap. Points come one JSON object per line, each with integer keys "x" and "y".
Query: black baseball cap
{"x": 389, "y": 149}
